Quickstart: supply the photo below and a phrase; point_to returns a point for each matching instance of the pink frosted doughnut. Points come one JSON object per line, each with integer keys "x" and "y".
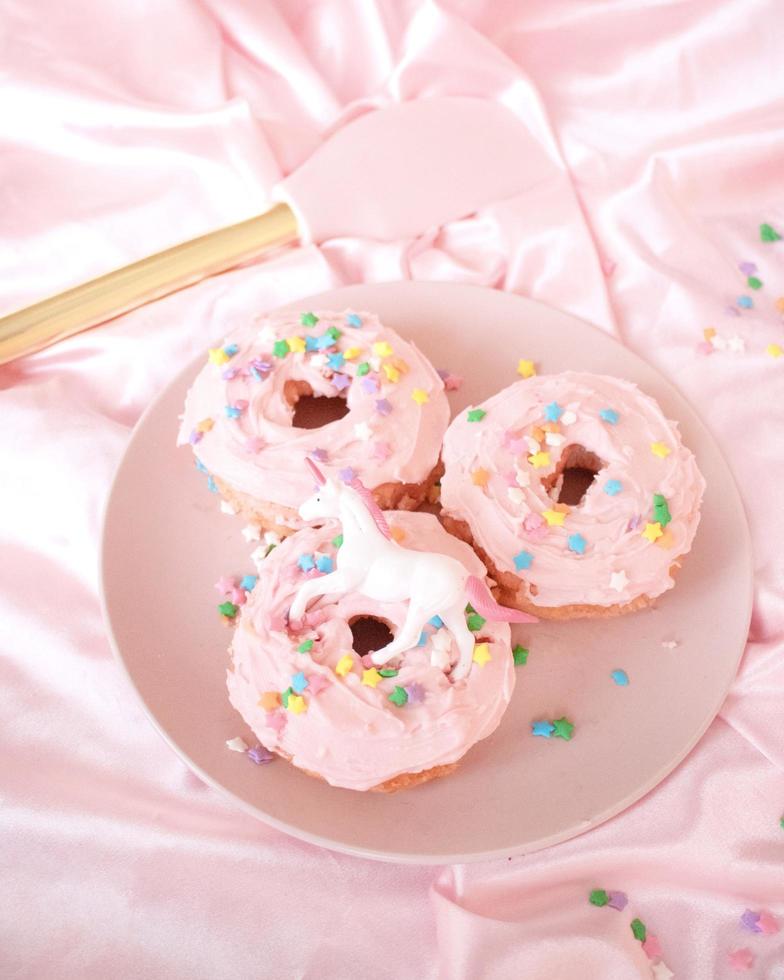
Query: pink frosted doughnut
{"x": 239, "y": 413}
{"x": 505, "y": 467}
{"x": 343, "y": 726}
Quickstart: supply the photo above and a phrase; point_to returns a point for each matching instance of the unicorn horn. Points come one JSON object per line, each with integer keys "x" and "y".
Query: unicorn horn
{"x": 318, "y": 475}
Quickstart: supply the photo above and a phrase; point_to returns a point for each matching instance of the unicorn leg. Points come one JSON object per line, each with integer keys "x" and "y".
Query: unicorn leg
{"x": 405, "y": 639}
{"x": 313, "y": 587}
{"x": 454, "y": 620}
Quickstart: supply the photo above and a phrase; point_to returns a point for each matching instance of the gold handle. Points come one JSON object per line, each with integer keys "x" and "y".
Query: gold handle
{"x": 134, "y": 285}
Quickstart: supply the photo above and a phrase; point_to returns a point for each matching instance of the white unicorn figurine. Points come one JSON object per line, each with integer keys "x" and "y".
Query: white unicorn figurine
{"x": 371, "y": 563}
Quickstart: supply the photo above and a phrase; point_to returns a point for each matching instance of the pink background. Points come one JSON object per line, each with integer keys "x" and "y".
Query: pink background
{"x": 127, "y": 127}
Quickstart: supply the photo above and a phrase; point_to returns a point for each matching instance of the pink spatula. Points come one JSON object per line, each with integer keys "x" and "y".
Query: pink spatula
{"x": 389, "y": 174}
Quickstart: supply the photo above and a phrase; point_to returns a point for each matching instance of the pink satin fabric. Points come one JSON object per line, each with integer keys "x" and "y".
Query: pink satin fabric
{"x": 127, "y": 127}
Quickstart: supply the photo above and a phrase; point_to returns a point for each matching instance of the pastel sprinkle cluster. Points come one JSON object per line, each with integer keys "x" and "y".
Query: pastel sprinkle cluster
{"x": 235, "y": 594}
{"x": 650, "y": 943}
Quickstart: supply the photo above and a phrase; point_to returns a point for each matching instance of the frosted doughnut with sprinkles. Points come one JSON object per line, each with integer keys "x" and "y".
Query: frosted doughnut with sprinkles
{"x": 311, "y": 698}
{"x": 575, "y": 490}
{"x": 240, "y": 414}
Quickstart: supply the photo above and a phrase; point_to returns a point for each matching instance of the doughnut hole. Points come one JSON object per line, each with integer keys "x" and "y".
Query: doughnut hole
{"x": 312, "y": 411}
{"x": 369, "y": 633}
{"x": 576, "y": 470}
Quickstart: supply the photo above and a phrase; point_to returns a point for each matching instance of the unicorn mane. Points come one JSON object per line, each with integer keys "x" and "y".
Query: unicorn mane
{"x": 373, "y": 509}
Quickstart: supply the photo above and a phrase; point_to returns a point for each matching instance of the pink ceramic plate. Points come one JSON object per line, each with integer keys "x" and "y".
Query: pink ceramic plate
{"x": 513, "y": 793}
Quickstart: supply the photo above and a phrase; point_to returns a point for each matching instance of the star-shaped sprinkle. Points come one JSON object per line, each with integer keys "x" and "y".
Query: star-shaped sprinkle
{"x": 237, "y": 744}
{"x": 652, "y": 532}
{"x": 539, "y": 460}
{"x": 370, "y": 386}
{"x": 526, "y": 369}
{"x": 217, "y": 355}
{"x": 318, "y": 683}
{"x": 383, "y": 407}
{"x": 389, "y": 672}
{"x": 576, "y": 543}
{"x": 522, "y": 560}
{"x": 296, "y": 344}
{"x": 297, "y": 704}
{"x": 563, "y": 729}
{"x": 280, "y": 348}
{"x": 475, "y": 414}
{"x": 745, "y": 302}
{"x": 225, "y": 584}
{"x": 299, "y": 682}
{"x": 638, "y": 930}
{"x": 599, "y": 897}
{"x": 660, "y": 971}
{"x": 347, "y": 474}
{"x": 415, "y": 692}
{"x": 228, "y": 609}
{"x": 519, "y": 655}
{"x": 260, "y": 755}
{"x": 398, "y": 696}
{"x": 382, "y": 349}
{"x": 475, "y": 622}
{"x": 613, "y": 487}
{"x": 325, "y": 564}
{"x": 736, "y": 344}
{"x": 768, "y": 233}
{"x": 353, "y": 320}
{"x": 381, "y": 451}
{"x": 420, "y": 396}
{"x": 609, "y": 415}
{"x": 568, "y": 418}
{"x": 362, "y": 431}
{"x": 285, "y": 696}
{"x": 248, "y": 582}
{"x": 554, "y": 518}
{"x": 768, "y": 924}
{"x": 620, "y": 677}
{"x": 652, "y": 947}
{"x": 311, "y": 344}
{"x": 344, "y": 665}
{"x": 553, "y": 412}
{"x": 749, "y": 921}
{"x": 392, "y": 373}
{"x": 363, "y": 369}
{"x": 479, "y": 477}
{"x": 351, "y": 352}
{"x": 452, "y": 382}
{"x": 341, "y": 381}
{"x": 306, "y": 562}
{"x": 544, "y": 729}
{"x": 660, "y": 449}
{"x": 308, "y": 319}
{"x": 773, "y": 350}
{"x": 618, "y": 901}
{"x": 205, "y": 425}
{"x": 660, "y": 510}
{"x": 276, "y": 720}
{"x": 398, "y": 534}
{"x": 754, "y": 283}
{"x": 741, "y": 959}
{"x": 371, "y": 677}
{"x": 336, "y": 361}
{"x": 619, "y": 580}
{"x": 269, "y": 700}
{"x": 481, "y": 654}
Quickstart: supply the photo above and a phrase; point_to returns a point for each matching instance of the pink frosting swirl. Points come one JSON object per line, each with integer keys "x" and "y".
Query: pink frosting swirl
{"x": 347, "y": 731}
{"x": 599, "y": 555}
{"x": 239, "y": 420}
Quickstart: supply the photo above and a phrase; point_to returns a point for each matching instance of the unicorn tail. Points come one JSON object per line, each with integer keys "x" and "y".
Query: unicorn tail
{"x": 482, "y": 600}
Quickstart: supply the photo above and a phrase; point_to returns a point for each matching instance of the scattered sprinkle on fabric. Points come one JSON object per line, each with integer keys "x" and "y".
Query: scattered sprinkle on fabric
{"x": 599, "y": 897}
{"x": 768, "y": 924}
{"x": 237, "y": 744}
{"x": 638, "y": 930}
{"x": 652, "y": 947}
{"x": 769, "y": 234}
{"x": 420, "y": 396}
{"x": 520, "y": 655}
{"x": 228, "y": 609}
{"x": 526, "y": 369}
{"x": 248, "y": 582}
{"x": 750, "y": 921}
{"x": 618, "y": 901}
{"x": 747, "y": 268}
{"x": 620, "y": 677}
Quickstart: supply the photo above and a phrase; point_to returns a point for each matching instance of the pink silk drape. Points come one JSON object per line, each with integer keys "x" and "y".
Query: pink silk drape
{"x": 127, "y": 127}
